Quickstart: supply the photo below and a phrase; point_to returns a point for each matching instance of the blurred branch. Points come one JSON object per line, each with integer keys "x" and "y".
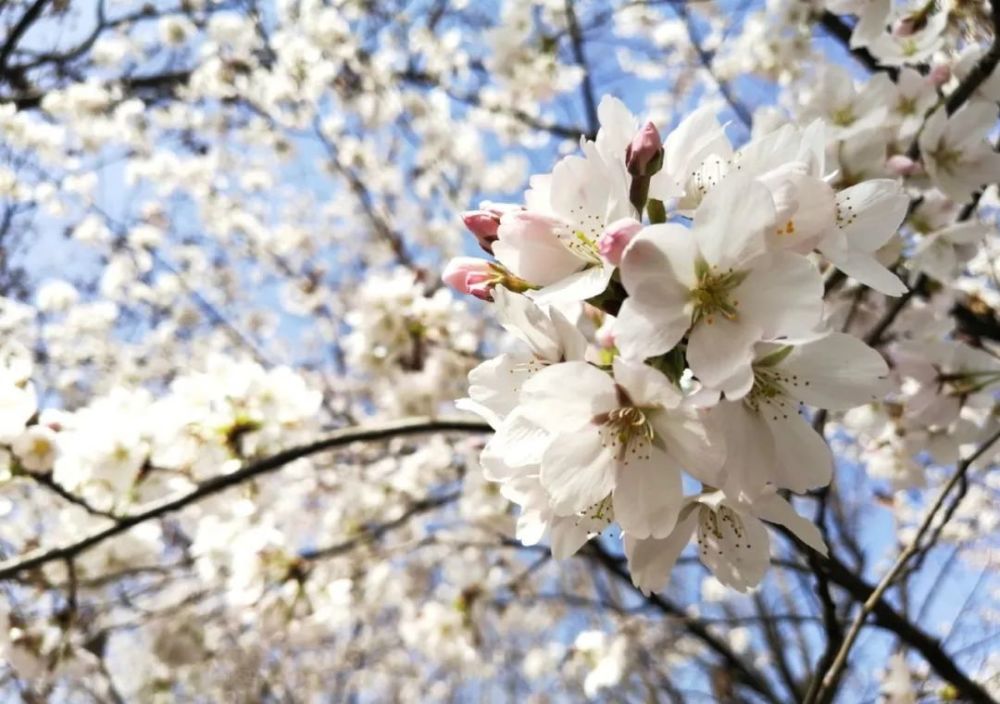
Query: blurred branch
{"x": 55, "y": 487}
{"x": 739, "y": 109}
{"x": 825, "y": 691}
{"x": 370, "y": 534}
{"x": 586, "y": 85}
{"x": 340, "y": 438}
{"x": 742, "y": 670}
{"x": 982, "y": 70}
{"x": 29, "y": 17}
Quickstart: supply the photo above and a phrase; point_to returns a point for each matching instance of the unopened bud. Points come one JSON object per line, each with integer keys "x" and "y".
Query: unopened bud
{"x": 478, "y": 277}
{"x": 902, "y": 165}
{"x": 612, "y": 243}
{"x": 471, "y": 276}
{"x": 644, "y": 156}
{"x": 940, "y": 74}
{"x": 484, "y": 225}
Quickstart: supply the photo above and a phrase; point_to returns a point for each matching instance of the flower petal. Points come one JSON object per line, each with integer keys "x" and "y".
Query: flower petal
{"x": 734, "y": 546}
{"x": 837, "y": 372}
{"x": 651, "y": 560}
{"x": 771, "y": 507}
{"x": 730, "y": 223}
{"x": 648, "y": 493}
{"x": 577, "y": 471}
{"x": 783, "y": 294}
{"x": 803, "y": 460}
{"x": 565, "y": 397}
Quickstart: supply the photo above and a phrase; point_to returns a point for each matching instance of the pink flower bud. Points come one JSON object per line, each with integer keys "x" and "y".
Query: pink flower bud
{"x": 612, "y": 243}
{"x": 470, "y": 276}
{"x": 940, "y": 74}
{"x": 644, "y": 156}
{"x": 484, "y": 225}
{"x": 901, "y": 165}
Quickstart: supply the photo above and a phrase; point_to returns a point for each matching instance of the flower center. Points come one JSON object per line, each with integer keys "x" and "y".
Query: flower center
{"x": 581, "y": 244}
{"x": 768, "y": 394}
{"x": 946, "y": 159}
{"x": 843, "y": 117}
{"x": 714, "y": 293}
{"x": 715, "y": 525}
{"x": 627, "y": 432}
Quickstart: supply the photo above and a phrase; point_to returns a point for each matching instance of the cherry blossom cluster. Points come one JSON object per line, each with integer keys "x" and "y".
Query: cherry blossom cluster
{"x": 222, "y": 229}
{"x": 712, "y": 334}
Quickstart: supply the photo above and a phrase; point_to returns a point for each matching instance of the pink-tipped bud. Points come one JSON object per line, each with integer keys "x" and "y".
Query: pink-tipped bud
{"x": 612, "y": 243}
{"x": 484, "y": 225}
{"x": 901, "y": 165}
{"x": 904, "y": 27}
{"x": 940, "y": 74}
{"x": 471, "y": 276}
{"x": 644, "y": 156}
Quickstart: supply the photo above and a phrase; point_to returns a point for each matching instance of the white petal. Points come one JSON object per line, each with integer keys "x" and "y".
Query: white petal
{"x": 720, "y": 353}
{"x": 750, "y": 456}
{"x": 618, "y": 126}
{"x": 577, "y": 471}
{"x": 866, "y": 269}
{"x": 565, "y": 397}
{"x": 576, "y": 287}
{"x": 645, "y": 386}
{"x": 581, "y": 192}
{"x": 646, "y": 330}
{"x": 698, "y": 136}
{"x": 467, "y": 404}
{"x": 661, "y": 255}
{"x": 783, "y": 294}
{"x": 771, "y": 507}
{"x": 522, "y": 318}
{"x": 496, "y": 383}
{"x": 519, "y": 440}
{"x": 650, "y": 561}
{"x": 836, "y": 372}
{"x": 730, "y": 223}
{"x": 567, "y": 535}
{"x": 871, "y": 212}
{"x": 803, "y": 459}
{"x": 532, "y": 251}
{"x": 734, "y": 546}
{"x": 697, "y": 448}
{"x": 648, "y": 493}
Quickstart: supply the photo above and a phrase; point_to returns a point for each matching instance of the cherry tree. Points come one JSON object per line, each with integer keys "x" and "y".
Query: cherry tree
{"x": 541, "y": 350}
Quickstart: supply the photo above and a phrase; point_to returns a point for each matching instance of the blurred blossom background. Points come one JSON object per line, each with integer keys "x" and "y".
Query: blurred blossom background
{"x": 223, "y": 227}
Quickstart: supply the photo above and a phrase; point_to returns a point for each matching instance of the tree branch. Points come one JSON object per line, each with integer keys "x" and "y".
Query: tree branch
{"x": 741, "y": 669}
{"x": 586, "y": 85}
{"x": 337, "y": 439}
{"x": 831, "y": 676}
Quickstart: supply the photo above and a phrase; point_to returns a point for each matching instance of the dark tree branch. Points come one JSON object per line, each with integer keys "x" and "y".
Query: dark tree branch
{"x": 29, "y": 17}
{"x": 339, "y": 438}
{"x": 580, "y": 56}
{"x": 742, "y": 670}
